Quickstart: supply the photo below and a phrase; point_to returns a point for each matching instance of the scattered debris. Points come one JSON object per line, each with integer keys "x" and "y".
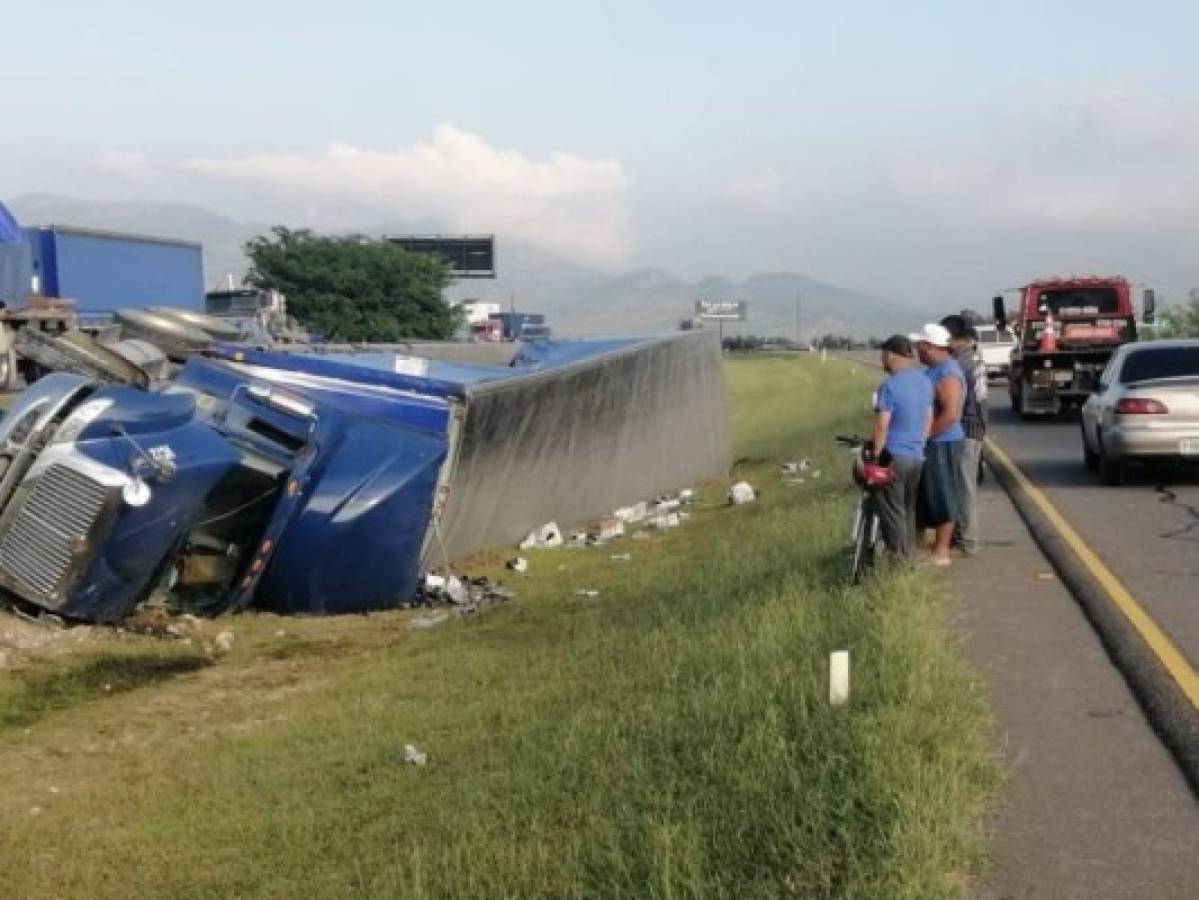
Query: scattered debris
{"x": 795, "y": 481}
{"x": 642, "y": 536}
{"x": 517, "y": 564}
{"x": 664, "y": 521}
{"x": 631, "y": 515}
{"x": 609, "y": 529}
{"x": 795, "y": 468}
{"x": 589, "y": 593}
{"x": 817, "y": 474}
{"x": 465, "y": 595}
{"x": 414, "y": 756}
{"x": 547, "y": 537}
{"x": 223, "y": 642}
{"x": 455, "y": 591}
{"x": 741, "y": 493}
{"x": 621, "y": 557}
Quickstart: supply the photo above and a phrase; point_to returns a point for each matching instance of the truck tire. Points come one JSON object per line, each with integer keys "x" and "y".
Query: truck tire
{"x": 1022, "y": 407}
{"x": 74, "y": 351}
{"x": 177, "y": 340}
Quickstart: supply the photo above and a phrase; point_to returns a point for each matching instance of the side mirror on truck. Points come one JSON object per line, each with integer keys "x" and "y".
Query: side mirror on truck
{"x": 1000, "y": 312}
{"x": 1150, "y": 306}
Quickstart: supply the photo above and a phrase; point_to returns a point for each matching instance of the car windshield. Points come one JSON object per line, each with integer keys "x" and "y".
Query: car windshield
{"x": 1161, "y": 362}
{"x": 1079, "y": 301}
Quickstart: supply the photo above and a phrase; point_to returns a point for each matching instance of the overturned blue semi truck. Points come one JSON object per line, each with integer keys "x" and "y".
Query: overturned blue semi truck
{"x": 326, "y": 483}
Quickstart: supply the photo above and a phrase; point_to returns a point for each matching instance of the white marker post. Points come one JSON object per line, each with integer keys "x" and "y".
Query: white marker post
{"x": 838, "y": 678}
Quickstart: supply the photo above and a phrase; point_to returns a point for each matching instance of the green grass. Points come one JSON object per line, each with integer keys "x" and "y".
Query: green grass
{"x": 56, "y": 684}
{"x": 669, "y": 738}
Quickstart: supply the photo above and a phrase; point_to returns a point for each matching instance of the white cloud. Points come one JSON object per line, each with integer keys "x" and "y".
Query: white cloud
{"x": 571, "y": 204}
{"x": 1062, "y": 178}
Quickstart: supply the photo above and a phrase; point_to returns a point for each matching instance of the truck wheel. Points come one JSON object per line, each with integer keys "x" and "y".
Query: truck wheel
{"x": 74, "y": 351}
{"x": 1090, "y": 458}
{"x": 1022, "y": 407}
{"x": 1111, "y": 471}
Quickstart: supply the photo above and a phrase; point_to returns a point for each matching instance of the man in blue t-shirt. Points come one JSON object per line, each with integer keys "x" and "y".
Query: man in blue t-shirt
{"x": 938, "y": 480}
{"x": 903, "y": 412}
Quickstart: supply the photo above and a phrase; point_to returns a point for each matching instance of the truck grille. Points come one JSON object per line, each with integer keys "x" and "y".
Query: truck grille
{"x": 51, "y": 529}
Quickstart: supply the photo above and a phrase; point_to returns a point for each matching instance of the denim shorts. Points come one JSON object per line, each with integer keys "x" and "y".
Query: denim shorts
{"x": 938, "y": 484}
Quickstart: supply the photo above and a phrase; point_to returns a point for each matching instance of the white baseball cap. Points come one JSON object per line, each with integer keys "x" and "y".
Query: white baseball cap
{"x": 937, "y": 335}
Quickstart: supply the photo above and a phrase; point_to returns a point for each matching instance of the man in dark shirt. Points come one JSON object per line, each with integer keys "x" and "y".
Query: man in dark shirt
{"x": 963, "y": 343}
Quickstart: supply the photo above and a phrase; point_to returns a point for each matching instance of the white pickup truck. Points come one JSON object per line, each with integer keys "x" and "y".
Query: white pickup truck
{"x": 996, "y": 346}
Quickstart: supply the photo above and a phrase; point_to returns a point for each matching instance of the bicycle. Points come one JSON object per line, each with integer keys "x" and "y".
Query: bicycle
{"x": 871, "y": 475}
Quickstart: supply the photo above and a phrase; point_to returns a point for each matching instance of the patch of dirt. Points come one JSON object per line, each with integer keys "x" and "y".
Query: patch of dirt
{"x": 24, "y": 640}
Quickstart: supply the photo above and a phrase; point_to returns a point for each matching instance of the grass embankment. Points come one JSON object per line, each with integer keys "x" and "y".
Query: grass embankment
{"x": 670, "y": 737}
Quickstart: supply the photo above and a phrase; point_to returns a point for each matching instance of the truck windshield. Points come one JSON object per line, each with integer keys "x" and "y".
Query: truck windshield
{"x": 1161, "y": 362}
{"x": 1080, "y": 301}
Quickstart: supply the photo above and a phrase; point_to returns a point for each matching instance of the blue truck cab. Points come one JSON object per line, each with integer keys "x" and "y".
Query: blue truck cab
{"x": 302, "y": 485}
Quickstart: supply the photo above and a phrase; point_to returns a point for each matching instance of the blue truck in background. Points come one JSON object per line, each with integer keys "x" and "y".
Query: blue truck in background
{"x": 103, "y": 271}
{"x": 100, "y": 271}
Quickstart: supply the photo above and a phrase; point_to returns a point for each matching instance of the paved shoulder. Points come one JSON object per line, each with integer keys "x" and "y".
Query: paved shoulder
{"x": 1094, "y": 806}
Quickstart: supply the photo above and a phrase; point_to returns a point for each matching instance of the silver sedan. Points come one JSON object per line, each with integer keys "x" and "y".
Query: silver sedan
{"x": 1146, "y": 407}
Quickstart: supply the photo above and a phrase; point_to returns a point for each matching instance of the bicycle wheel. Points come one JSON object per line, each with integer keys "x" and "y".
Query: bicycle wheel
{"x": 868, "y": 543}
{"x": 861, "y": 547}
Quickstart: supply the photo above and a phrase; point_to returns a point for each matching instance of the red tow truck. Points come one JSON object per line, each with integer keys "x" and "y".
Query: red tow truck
{"x": 1067, "y": 328}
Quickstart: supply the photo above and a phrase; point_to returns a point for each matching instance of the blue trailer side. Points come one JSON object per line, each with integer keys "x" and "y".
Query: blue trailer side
{"x": 104, "y": 271}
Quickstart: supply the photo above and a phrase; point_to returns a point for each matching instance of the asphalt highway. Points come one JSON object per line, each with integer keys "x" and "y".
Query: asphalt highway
{"x": 1147, "y": 531}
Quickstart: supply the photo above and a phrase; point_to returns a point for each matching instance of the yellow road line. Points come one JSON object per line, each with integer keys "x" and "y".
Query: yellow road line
{"x": 1166, "y": 651}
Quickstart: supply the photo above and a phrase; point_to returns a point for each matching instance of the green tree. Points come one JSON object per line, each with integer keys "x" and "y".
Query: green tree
{"x": 1182, "y": 321}
{"x": 354, "y": 288}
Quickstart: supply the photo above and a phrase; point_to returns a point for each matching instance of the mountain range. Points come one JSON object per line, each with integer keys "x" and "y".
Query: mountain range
{"x": 576, "y": 300}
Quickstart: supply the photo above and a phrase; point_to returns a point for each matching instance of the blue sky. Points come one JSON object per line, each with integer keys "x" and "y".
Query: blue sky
{"x": 855, "y": 141}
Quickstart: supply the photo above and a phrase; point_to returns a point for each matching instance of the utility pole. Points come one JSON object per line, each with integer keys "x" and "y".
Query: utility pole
{"x": 798, "y": 312}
